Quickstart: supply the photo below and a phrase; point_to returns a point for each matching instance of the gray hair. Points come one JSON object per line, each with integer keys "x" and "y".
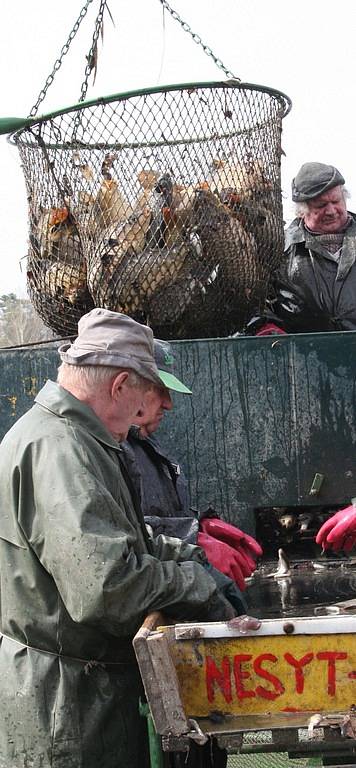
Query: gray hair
{"x": 90, "y": 377}
{"x": 302, "y": 208}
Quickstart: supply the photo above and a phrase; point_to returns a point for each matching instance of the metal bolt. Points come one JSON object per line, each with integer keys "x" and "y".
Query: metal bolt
{"x": 288, "y": 628}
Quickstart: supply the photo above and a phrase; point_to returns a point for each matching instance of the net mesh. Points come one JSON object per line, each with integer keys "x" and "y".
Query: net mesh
{"x": 163, "y": 204}
{"x": 272, "y": 760}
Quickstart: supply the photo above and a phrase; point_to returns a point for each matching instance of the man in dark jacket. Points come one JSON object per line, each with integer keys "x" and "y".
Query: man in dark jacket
{"x": 162, "y": 489}
{"x": 78, "y": 571}
{"x": 315, "y": 286}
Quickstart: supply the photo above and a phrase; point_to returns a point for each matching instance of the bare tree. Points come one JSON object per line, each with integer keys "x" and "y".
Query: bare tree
{"x": 20, "y": 323}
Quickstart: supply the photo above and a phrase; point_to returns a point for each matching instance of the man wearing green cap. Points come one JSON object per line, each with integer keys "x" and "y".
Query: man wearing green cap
{"x": 78, "y": 571}
{"x": 162, "y": 489}
{"x": 315, "y": 286}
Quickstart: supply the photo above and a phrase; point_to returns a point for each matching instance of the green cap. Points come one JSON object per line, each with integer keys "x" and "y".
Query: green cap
{"x": 164, "y": 360}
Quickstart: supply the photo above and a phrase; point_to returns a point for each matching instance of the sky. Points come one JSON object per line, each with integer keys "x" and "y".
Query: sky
{"x": 305, "y": 49}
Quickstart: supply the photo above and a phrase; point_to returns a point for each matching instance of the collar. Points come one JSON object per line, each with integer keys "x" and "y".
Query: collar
{"x": 134, "y": 435}
{"x": 151, "y": 441}
{"x": 296, "y": 233}
{"x": 61, "y": 403}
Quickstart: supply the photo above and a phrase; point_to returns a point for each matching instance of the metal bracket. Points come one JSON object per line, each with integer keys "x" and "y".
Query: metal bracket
{"x": 316, "y": 484}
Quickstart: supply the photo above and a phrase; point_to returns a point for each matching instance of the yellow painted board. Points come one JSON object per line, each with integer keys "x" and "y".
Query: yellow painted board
{"x": 258, "y": 675}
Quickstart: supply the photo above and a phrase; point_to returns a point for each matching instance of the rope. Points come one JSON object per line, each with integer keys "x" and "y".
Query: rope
{"x": 197, "y": 39}
{"x": 37, "y": 343}
{"x": 89, "y": 663}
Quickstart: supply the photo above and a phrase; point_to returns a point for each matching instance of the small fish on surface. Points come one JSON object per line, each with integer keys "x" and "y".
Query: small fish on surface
{"x": 244, "y": 624}
{"x": 283, "y": 568}
{"x": 314, "y": 722}
{"x": 346, "y": 723}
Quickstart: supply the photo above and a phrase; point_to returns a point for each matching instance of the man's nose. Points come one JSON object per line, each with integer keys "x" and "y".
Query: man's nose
{"x": 167, "y": 402}
{"x": 330, "y": 209}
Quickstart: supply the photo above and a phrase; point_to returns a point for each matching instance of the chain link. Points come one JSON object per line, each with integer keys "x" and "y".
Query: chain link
{"x": 58, "y": 61}
{"x": 93, "y": 53}
{"x": 197, "y": 39}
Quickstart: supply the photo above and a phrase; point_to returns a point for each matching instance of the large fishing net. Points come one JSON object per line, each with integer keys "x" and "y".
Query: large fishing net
{"x": 164, "y": 204}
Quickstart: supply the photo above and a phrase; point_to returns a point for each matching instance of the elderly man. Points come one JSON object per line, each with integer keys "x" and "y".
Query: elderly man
{"x": 163, "y": 492}
{"x": 78, "y": 570}
{"x": 315, "y": 287}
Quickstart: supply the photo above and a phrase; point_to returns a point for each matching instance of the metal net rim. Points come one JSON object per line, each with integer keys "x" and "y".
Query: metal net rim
{"x": 284, "y": 101}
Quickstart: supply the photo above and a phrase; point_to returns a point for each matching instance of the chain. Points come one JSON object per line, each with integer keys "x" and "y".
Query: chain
{"x": 92, "y": 56}
{"x": 58, "y": 62}
{"x": 198, "y": 40}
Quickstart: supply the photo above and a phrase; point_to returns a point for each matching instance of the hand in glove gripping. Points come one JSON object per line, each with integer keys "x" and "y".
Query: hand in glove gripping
{"x": 270, "y": 329}
{"x": 339, "y": 532}
{"x": 228, "y": 549}
{"x": 224, "y": 558}
{"x": 228, "y": 588}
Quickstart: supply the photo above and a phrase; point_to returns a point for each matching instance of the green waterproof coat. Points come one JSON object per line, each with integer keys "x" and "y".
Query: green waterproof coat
{"x": 78, "y": 576}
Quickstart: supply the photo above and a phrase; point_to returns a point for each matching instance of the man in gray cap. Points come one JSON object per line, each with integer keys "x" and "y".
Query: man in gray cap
{"x": 315, "y": 287}
{"x": 79, "y": 572}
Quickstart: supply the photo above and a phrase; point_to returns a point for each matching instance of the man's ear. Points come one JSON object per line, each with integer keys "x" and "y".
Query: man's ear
{"x": 118, "y": 383}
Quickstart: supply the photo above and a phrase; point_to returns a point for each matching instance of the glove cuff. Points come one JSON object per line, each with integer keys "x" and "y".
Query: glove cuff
{"x": 209, "y": 513}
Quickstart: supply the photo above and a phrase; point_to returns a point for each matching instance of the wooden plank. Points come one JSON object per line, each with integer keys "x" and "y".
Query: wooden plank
{"x": 176, "y": 722}
{"x": 148, "y": 674}
{"x": 160, "y": 678}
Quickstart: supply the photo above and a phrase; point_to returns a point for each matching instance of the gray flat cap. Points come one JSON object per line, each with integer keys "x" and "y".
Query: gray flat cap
{"x": 313, "y": 179}
{"x": 114, "y": 339}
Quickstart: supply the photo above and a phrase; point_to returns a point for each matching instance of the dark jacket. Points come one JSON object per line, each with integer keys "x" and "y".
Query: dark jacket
{"x": 163, "y": 492}
{"x": 78, "y": 575}
{"x": 161, "y": 487}
{"x": 311, "y": 292}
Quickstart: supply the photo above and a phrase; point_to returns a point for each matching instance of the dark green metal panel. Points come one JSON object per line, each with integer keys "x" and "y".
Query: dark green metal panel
{"x": 234, "y": 434}
{"x": 267, "y": 415}
{"x": 22, "y": 374}
{"x": 324, "y": 380}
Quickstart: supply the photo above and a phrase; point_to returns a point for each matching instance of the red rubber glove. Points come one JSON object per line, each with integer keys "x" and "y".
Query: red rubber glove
{"x": 223, "y": 558}
{"x": 270, "y": 329}
{"x": 339, "y": 532}
{"x": 247, "y": 546}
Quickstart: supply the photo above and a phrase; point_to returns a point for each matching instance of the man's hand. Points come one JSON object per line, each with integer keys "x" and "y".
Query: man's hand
{"x": 231, "y": 535}
{"x": 228, "y": 549}
{"x": 219, "y": 609}
{"x": 228, "y": 588}
{"x": 339, "y": 532}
